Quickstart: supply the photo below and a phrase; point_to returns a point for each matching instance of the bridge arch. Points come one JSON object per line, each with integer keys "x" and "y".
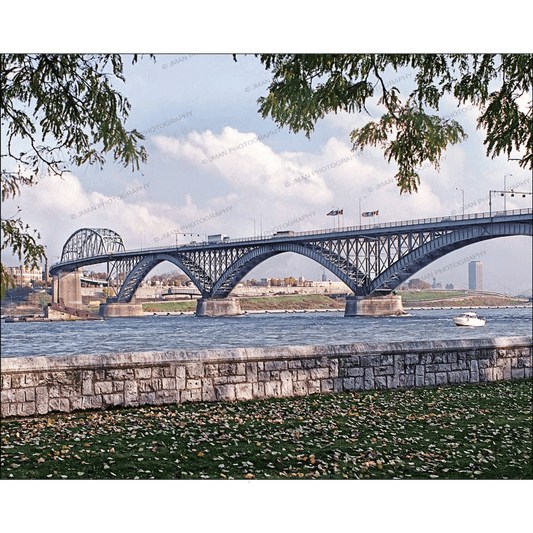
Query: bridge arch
{"x": 424, "y": 255}
{"x": 91, "y": 242}
{"x": 253, "y": 258}
{"x": 144, "y": 267}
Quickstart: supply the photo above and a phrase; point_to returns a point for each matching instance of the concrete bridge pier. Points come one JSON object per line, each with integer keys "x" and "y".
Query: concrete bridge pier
{"x": 66, "y": 286}
{"x": 389, "y": 305}
{"x": 213, "y": 307}
{"x": 120, "y": 309}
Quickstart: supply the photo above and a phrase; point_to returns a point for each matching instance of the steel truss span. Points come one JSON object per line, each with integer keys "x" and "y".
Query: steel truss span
{"x": 91, "y": 242}
{"x": 370, "y": 260}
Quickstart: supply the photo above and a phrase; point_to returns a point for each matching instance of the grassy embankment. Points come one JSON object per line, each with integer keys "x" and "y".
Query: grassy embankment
{"x": 289, "y": 302}
{"x": 455, "y": 299}
{"x": 480, "y": 431}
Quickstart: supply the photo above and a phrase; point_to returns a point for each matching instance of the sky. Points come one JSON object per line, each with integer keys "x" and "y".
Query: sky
{"x": 216, "y": 166}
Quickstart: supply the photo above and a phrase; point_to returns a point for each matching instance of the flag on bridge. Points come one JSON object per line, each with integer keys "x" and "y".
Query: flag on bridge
{"x": 335, "y": 212}
{"x": 370, "y": 213}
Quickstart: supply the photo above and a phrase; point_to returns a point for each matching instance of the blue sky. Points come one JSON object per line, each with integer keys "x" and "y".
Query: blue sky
{"x": 214, "y": 159}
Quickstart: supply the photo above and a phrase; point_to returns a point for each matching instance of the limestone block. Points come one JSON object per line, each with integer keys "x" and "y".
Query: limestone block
{"x": 393, "y": 382}
{"x": 194, "y": 370}
{"x": 275, "y": 365}
{"x": 337, "y": 384}
{"x": 303, "y": 375}
{"x": 383, "y": 370}
{"x": 8, "y": 396}
{"x": 173, "y": 396}
{"x": 369, "y": 378}
{"x": 225, "y": 392}
{"x": 118, "y": 386}
{"x": 243, "y": 391}
{"x": 59, "y": 404}
{"x": 103, "y": 387}
{"x": 168, "y": 383}
{"x": 441, "y": 378}
{"x": 380, "y": 382}
{"x": 287, "y": 388}
{"x": 149, "y": 385}
{"x": 348, "y": 384}
{"x": 272, "y": 388}
{"x": 29, "y": 395}
{"x": 208, "y": 391}
{"x": 319, "y": 373}
{"x": 143, "y": 373}
{"x": 258, "y": 390}
{"x": 6, "y": 381}
{"x": 251, "y": 372}
{"x": 87, "y": 388}
{"x": 236, "y": 379}
{"x": 211, "y": 370}
{"x": 131, "y": 393}
{"x": 313, "y": 387}
{"x": 41, "y": 400}
{"x": 355, "y": 372}
{"x": 112, "y": 399}
{"x": 146, "y": 398}
{"x": 474, "y": 371}
{"x": 326, "y": 386}
{"x": 17, "y": 380}
{"x": 299, "y": 388}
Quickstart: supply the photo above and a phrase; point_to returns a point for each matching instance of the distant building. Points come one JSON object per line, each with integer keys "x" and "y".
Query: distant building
{"x": 475, "y": 276}
{"x": 23, "y": 276}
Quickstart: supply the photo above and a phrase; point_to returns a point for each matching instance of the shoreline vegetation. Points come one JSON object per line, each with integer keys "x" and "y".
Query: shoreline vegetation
{"x": 474, "y": 431}
{"x": 318, "y": 302}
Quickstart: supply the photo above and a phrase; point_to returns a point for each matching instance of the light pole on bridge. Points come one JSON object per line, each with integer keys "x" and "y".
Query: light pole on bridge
{"x": 505, "y": 189}
{"x": 264, "y": 213}
{"x": 360, "y": 219}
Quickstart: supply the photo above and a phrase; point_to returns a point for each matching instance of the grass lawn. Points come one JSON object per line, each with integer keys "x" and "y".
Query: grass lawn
{"x": 463, "y": 432}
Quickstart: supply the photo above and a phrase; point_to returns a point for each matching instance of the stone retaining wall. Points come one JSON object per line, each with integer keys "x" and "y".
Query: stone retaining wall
{"x": 39, "y": 385}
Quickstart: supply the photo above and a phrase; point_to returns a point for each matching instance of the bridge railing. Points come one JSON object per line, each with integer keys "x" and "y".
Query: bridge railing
{"x": 379, "y": 225}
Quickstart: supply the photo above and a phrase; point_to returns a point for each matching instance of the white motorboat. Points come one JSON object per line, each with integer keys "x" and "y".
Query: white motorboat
{"x": 469, "y": 319}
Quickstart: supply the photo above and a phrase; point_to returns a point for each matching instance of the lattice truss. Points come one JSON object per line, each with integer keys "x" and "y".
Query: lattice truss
{"x": 357, "y": 261}
{"x": 88, "y": 242}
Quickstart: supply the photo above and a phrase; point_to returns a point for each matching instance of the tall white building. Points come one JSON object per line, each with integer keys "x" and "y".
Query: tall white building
{"x": 475, "y": 276}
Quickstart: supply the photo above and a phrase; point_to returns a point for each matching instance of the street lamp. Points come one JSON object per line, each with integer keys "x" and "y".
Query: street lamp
{"x": 261, "y": 219}
{"x": 360, "y": 220}
{"x": 505, "y": 189}
{"x": 462, "y": 190}
{"x": 254, "y": 225}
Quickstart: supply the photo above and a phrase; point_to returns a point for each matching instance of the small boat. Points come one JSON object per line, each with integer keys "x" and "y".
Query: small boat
{"x": 469, "y": 319}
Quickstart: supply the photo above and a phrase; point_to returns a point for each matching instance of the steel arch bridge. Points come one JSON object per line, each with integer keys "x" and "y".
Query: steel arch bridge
{"x": 371, "y": 260}
{"x": 87, "y": 242}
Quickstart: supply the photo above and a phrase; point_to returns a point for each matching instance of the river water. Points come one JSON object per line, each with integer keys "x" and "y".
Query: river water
{"x": 167, "y": 333}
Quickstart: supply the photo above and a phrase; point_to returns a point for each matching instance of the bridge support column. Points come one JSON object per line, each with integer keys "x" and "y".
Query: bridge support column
{"x": 67, "y": 287}
{"x": 117, "y": 310}
{"x": 218, "y": 307}
{"x": 390, "y": 305}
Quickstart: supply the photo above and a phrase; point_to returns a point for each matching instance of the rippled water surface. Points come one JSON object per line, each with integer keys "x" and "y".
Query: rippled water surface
{"x": 192, "y": 333}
